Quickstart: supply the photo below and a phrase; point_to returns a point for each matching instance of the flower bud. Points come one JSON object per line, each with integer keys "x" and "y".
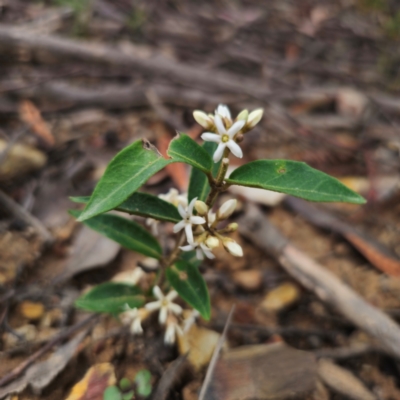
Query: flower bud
{"x": 231, "y": 227}
{"x": 201, "y": 207}
{"x": 239, "y": 137}
{"x": 232, "y": 247}
{"x": 254, "y": 118}
{"x": 212, "y": 242}
{"x": 227, "y": 209}
{"x": 242, "y": 115}
{"x": 203, "y": 119}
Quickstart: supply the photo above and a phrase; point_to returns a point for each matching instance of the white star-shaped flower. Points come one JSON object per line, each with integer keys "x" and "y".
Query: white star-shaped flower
{"x": 164, "y": 304}
{"x": 201, "y": 250}
{"x": 134, "y": 317}
{"x": 172, "y": 331}
{"x": 224, "y": 138}
{"x": 174, "y": 197}
{"x": 188, "y": 219}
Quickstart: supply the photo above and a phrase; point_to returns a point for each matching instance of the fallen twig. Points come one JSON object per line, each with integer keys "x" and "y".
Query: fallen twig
{"x": 56, "y": 339}
{"x": 215, "y": 355}
{"x": 323, "y": 283}
{"x": 19, "y": 212}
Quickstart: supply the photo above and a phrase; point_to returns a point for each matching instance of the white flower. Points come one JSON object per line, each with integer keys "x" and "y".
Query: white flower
{"x": 133, "y": 317}
{"x": 201, "y": 250}
{"x": 224, "y": 138}
{"x": 164, "y": 304}
{"x": 227, "y": 209}
{"x": 189, "y": 319}
{"x": 188, "y": 219}
{"x": 232, "y": 247}
{"x": 173, "y": 329}
{"x": 174, "y": 197}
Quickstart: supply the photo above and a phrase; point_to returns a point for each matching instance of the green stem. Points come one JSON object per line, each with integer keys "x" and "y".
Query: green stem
{"x": 218, "y": 185}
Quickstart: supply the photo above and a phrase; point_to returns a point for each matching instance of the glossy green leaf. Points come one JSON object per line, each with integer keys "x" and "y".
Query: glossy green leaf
{"x": 190, "y": 257}
{"x": 184, "y": 149}
{"x": 186, "y": 279}
{"x": 128, "y": 234}
{"x": 126, "y": 173}
{"x": 198, "y": 184}
{"x": 145, "y": 205}
{"x": 143, "y": 382}
{"x": 112, "y": 393}
{"x": 294, "y": 178}
{"x": 110, "y": 297}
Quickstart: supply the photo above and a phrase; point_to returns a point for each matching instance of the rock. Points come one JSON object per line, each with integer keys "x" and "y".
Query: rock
{"x": 250, "y": 279}
{"x": 281, "y": 297}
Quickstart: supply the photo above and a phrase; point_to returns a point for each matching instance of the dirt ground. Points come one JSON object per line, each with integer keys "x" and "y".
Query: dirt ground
{"x": 80, "y": 80}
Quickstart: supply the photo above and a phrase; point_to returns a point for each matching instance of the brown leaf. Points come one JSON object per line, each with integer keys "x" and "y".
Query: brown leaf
{"x": 263, "y": 372}
{"x": 30, "y": 114}
{"x": 93, "y": 384}
{"x": 40, "y": 375}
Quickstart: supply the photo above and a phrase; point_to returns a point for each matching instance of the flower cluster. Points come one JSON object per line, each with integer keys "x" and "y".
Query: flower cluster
{"x": 169, "y": 314}
{"x": 224, "y": 131}
{"x": 201, "y": 230}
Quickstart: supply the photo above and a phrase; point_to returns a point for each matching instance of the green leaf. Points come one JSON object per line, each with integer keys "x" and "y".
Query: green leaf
{"x": 112, "y": 393}
{"x": 128, "y": 234}
{"x": 128, "y": 396}
{"x": 190, "y": 257}
{"x": 125, "y": 384}
{"x": 186, "y": 279}
{"x": 198, "y": 184}
{"x": 184, "y": 149}
{"x": 126, "y": 173}
{"x": 144, "y": 204}
{"x": 143, "y": 382}
{"x": 294, "y": 178}
{"x": 110, "y": 297}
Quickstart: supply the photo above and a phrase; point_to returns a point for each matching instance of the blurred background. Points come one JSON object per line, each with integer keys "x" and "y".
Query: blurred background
{"x": 81, "y": 79}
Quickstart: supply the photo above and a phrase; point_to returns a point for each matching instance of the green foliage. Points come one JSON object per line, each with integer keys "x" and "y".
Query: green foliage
{"x": 128, "y": 234}
{"x": 198, "y": 185}
{"x": 294, "y": 178}
{"x": 110, "y": 297}
{"x": 143, "y": 383}
{"x": 186, "y": 279}
{"x": 145, "y": 205}
{"x": 184, "y": 149}
{"x": 126, "y": 173}
{"x": 112, "y": 393}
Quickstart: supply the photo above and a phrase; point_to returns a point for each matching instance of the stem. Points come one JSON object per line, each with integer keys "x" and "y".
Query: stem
{"x": 217, "y": 186}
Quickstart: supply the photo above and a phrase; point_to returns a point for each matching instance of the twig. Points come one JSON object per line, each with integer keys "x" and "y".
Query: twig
{"x": 23, "y": 214}
{"x": 56, "y": 339}
{"x": 198, "y": 75}
{"x": 215, "y": 356}
{"x": 323, "y": 283}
